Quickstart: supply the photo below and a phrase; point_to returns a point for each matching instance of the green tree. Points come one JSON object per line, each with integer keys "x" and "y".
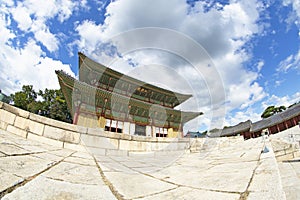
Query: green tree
{"x": 205, "y": 132}
{"x": 48, "y": 99}
{"x": 271, "y": 110}
{"x": 35, "y": 106}
{"x": 294, "y": 104}
{"x": 24, "y": 98}
{"x": 54, "y": 105}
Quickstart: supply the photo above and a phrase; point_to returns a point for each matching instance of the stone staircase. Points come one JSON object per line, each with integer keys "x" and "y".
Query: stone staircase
{"x": 286, "y": 144}
{"x": 196, "y": 145}
{"x": 285, "y": 150}
{"x": 208, "y": 144}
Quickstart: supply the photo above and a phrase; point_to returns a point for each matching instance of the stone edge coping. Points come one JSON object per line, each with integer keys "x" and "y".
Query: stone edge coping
{"x": 101, "y": 133}
{"x": 84, "y": 130}
{"x": 63, "y": 133}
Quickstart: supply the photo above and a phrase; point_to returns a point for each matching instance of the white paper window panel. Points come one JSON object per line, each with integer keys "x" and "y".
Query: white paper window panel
{"x": 114, "y": 123}
{"x": 108, "y": 122}
{"x": 120, "y": 124}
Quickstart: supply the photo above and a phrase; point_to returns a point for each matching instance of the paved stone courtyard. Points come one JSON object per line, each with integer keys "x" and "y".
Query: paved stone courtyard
{"x": 33, "y": 170}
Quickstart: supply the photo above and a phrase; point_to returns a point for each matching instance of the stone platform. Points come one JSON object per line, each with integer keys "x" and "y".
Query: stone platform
{"x": 34, "y": 170}
{"x": 45, "y": 159}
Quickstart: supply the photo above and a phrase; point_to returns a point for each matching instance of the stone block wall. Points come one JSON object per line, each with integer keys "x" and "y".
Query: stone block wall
{"x": 286, "y": 144}
{"x": 95, "y": 140}
{"x": 285, "y": 151}
{"x": 64, "y": 135}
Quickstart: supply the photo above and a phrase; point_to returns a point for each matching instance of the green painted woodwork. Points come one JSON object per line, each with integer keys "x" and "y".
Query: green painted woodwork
{"x": 98, "y": 75}
{"x": 100, "y": 102}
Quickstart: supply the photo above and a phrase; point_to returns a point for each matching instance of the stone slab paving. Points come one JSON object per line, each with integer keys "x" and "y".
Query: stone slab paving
{"x": 266, "y": 181}
{"x": 183, "y": 193}
{"x": 133, "y": 185}
{"x": 33, "y": 170}
{"x": 46, "y": 188}
{"x": 290, "y": 177}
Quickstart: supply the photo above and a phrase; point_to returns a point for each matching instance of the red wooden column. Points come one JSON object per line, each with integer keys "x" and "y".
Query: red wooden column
{"x": 110, "y": 125}
{"x": 285, "y": 124}
{"x": 117, "y": 126}
{"x": 295, "y": 122}
{"x": 77, "y": 112}
{"x": 269, "y": 131}
{"x": 75, "y": 117}
{"x": 180, "y": 128}
{"x": 277, "y": 128}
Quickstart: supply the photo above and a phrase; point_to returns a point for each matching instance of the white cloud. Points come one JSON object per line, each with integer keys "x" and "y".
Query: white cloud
{"x": 26, "y": 65}
{"x": 221, "y": 31}
{"x": 215, "y": 75}
{"x": 260, "y": 65}
{"x": 257, "y": 94}
{"x": 295, "y": 15}
{"x": 5, "y": 33}
{"x": 32, "y": 15}
{"x": 278, "y": 83}
{"x": 291, "y": 62}
{"x": 22, "y": 17}
{"x": 242, "y": 116}
{"x": 90, "y": 35}
{"x": 43, "y": 34}
{"x": 7, "y": 2}
{"x": 281, "y": 100}
{"x": 252, "y": 112}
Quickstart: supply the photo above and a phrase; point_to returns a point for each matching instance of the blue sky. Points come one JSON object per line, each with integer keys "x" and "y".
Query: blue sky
{"x": 252, "y": 47}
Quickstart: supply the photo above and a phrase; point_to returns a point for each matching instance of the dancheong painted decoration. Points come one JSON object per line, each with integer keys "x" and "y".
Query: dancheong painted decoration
{"x": 106, "y": 99}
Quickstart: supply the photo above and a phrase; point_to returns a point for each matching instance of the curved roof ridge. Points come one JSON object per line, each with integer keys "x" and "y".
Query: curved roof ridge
{"x": 112, "y": 72}
{"x": 186, "y": 115}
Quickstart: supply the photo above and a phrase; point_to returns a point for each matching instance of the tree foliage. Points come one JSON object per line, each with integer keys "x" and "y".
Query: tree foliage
{"x": 294, "y": 104}
{"x": 55, "y": 105}
{"x": 52, "y": 105}
{"x": 271, "y": 110}
{"x": 25, "y": 98}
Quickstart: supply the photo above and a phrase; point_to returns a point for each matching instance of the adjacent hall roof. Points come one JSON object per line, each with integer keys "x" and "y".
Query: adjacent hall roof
{"x": 259, "y": 125}
{"x": 276, "y": 119}
{"x": 232, "y": 130}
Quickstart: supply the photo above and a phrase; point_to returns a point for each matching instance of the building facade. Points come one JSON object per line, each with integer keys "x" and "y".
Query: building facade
{"x": 106, "y": 99}
{"x": 4, "y": 98}
{"x": 271, "y": 125}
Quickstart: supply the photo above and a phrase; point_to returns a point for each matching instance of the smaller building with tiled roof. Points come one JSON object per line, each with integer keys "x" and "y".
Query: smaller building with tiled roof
{"x": 273, "y": 124}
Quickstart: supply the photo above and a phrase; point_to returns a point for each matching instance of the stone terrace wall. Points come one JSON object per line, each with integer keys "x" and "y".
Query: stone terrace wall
{"x": 286, "y": 144}
{"x": 60, "y": 134}
{"x": 95, "y": 140}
